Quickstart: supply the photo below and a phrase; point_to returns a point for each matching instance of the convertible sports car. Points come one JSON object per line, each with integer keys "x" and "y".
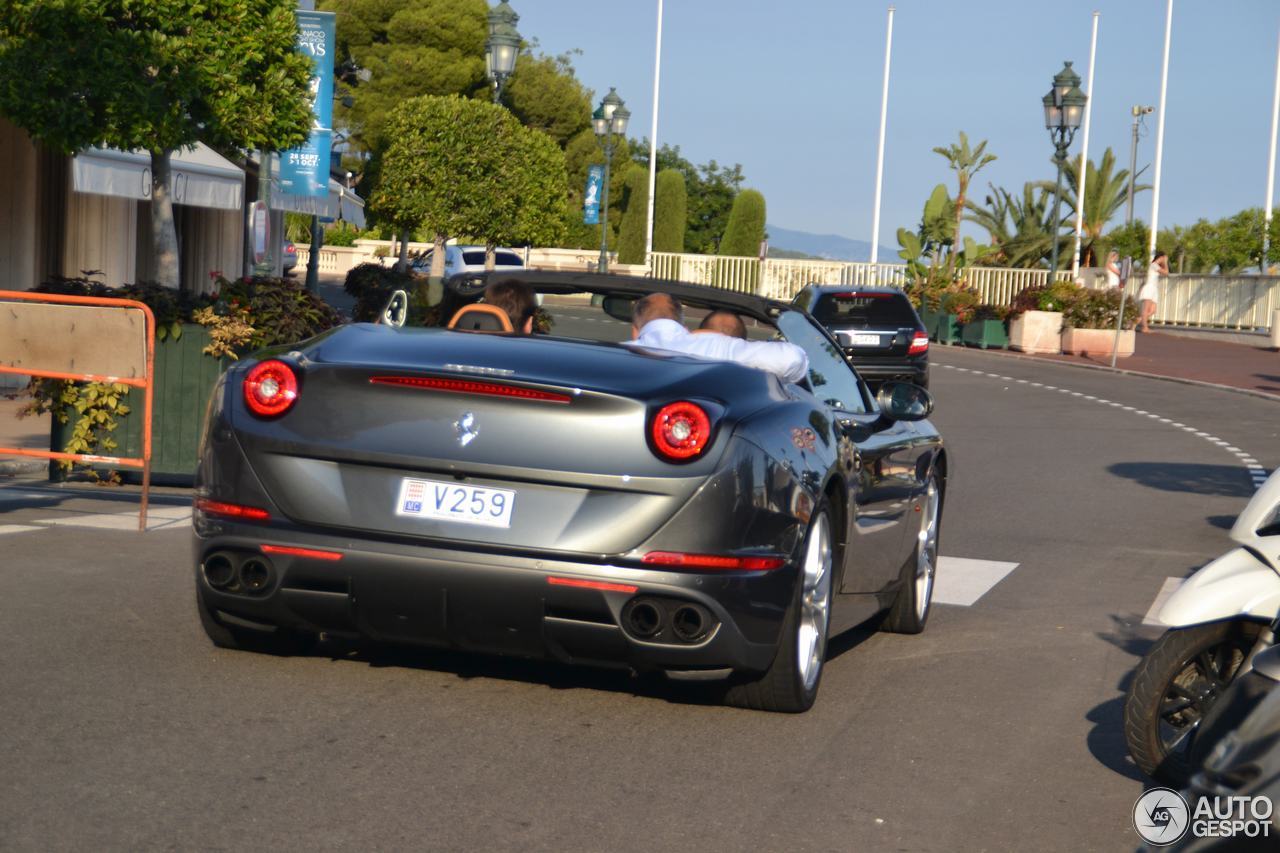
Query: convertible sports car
{"x": 568, "y": 496}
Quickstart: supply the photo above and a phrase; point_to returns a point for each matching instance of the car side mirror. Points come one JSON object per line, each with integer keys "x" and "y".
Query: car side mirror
{"x": 396, "y": 311}
{"x": 619, "y": 307}
{"x": 902, "y": 401}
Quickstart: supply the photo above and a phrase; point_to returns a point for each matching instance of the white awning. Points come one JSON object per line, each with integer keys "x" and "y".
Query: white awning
{"x": 340, "y": 203}
{"x": 200, "y": 177}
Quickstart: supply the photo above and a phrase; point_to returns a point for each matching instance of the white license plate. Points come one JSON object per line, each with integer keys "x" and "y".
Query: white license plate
{"x": 866, "y": 340}
{"x": 455, "y": 502}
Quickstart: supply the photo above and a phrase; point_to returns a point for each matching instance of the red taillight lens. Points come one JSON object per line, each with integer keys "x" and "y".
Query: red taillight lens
{"x": 919, "y": 344}
{"x": 583, "y": 583}
{"x": 710, "y": 561}
{"x": 681, "y": 431}
{"x": 270, "y": 388}
{"x": 311, "y": 553}
{"x": 247, "y": 513}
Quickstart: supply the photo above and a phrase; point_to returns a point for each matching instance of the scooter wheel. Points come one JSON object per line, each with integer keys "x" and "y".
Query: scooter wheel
{"x": 1174, "y": 686}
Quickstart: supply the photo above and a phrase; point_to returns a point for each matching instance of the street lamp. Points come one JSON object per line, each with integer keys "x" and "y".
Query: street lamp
{"x": 1063, "y": 111}
{"x": 609, "y": 120}
{"x": 501, "y": 48}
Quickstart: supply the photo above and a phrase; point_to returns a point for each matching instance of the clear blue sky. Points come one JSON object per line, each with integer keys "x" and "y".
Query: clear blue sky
{"x": 791, "y": 90}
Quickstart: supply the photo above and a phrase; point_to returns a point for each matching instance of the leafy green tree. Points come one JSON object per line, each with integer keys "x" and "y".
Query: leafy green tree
{"x": 544, "y": 93}
{"x": 965, "y": 162}
{"x": 1106, "y": 192}
{"x": 409, "y": 48}
{"x": 745, "y": 231}
{"x": 710, "y": 190}
{"x": 158, "y": 76}
{"x": 635, "y": 217}
{"x": 503, "y": 182}
{"x": 1130, "y": 241}
{"x": 670, "y": 211}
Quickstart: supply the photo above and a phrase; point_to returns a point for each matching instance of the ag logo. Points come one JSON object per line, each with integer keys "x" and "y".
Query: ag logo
{"x": 1161, "y": 816}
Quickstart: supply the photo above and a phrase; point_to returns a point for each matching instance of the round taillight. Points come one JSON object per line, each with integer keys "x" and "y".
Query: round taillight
{"x": 270, "y": 388}
{"x": 681, "y": 431}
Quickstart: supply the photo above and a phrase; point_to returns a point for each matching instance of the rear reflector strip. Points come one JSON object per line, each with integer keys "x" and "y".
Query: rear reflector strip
{"x": 470, "y": 386}
{"x": 710, "y": 561}
{"x": 290, "y": 551}
{"x": 248, "y": 513}
{"x": 603, "y": 586}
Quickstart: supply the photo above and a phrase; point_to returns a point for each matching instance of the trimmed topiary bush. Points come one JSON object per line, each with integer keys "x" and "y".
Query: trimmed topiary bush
{"x": 670, "y": 212}
{"x": 634, "y": 217}
{"x": 745, "y": 231}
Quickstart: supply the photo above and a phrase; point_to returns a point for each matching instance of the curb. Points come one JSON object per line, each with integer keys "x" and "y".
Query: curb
{"x": 14, "y": 467}
{"x": 1250, "y": 392}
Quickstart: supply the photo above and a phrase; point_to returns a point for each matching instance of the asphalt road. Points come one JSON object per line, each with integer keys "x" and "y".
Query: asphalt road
{"x": 997, "y": 729}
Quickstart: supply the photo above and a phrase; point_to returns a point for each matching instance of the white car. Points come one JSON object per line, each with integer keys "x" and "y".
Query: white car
{"x": 459, "y": 259}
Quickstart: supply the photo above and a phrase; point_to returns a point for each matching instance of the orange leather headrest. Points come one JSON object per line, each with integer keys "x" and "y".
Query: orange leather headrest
{"x": 481, "y": 318}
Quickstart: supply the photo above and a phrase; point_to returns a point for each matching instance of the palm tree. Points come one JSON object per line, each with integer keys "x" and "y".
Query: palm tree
{"x": 966, "y": 163}
{"x": 1105, "y": 192}
{"x": 1018, "y": 227}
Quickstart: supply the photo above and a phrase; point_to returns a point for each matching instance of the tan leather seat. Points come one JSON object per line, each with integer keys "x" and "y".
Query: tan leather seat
{"x": 481, "y": 318}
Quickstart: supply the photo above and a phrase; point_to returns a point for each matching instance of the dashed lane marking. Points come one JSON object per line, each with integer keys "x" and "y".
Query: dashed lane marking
{"x": 17, "y": 528}
{"x": 1256, "y": 472}
{"x": 962, "y": 581}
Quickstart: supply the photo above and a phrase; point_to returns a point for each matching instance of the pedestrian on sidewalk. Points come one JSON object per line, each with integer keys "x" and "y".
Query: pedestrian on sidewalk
{"x": 1113, "y": 268}
{"x": 1149, "y": 295}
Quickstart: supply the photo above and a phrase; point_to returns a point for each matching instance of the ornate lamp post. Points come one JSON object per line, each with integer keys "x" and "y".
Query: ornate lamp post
{"x": 1063, "y": 112}
{"x": 609, "y": 121}
{"x": 501, "y": 48}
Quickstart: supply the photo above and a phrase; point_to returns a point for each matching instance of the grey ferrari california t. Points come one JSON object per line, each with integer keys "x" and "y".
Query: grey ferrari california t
{"x": 568, "y": 496}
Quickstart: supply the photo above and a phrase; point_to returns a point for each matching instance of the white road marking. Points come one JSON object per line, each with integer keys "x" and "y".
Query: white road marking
{"x": 1167, "y": 589}
{"x": 962, "y": 581}
{"x": 16, "y": 528}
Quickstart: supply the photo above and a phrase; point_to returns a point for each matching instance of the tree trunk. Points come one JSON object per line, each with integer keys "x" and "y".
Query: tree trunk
{"x": 490, "y": 256}
{"x": 402, "y": 264}
{"x": 164, "y": 234}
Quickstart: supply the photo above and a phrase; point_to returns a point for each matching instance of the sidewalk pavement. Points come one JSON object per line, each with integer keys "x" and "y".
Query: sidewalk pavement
{"x": 1241, "y": 362}
{"x": 29, "y": 432}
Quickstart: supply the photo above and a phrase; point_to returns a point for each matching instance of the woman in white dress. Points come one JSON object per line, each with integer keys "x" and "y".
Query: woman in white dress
{"x": 1150, "y": 292}
{"x": 1113, "y": 269}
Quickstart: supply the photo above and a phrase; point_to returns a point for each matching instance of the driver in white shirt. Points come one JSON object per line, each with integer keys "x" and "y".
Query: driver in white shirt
{"x": 657, "y": 323}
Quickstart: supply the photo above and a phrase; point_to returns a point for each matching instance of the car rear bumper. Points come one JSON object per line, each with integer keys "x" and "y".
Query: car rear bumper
{"x": 916, "y": 371}
{"x": 526, "y": 606}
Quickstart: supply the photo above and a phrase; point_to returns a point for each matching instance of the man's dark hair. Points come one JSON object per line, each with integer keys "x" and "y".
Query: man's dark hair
{"x": 656, "y": 306}
{"x": 513, "y": 296}
{"x": 726, "y": 323}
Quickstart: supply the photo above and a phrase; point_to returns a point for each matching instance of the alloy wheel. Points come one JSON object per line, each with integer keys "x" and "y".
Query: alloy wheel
{"x": 815, "y": 603}
{"x": 927, "y": 552}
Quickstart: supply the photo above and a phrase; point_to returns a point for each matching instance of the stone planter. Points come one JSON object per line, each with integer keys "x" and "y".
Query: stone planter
{"x": 986, "y": 334}
{"x": 1036, "y": 331}
{"x": 1097, "y": 342}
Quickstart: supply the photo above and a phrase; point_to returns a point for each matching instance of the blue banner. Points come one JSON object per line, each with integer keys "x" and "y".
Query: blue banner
{"x": 591, "y": 197}
{"x": 305, "y": 170}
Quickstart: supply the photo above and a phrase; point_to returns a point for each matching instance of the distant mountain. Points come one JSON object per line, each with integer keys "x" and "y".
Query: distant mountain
{"x": 830, "y": 246}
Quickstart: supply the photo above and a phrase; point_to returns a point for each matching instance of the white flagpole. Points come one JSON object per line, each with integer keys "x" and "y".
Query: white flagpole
{"x": 653, "y": 146}
{"x": 1084, "y": 152}
{"x": 1164, "y": 91}
{"x": 1271, "y": 166}
{"x": 884, "y": 113}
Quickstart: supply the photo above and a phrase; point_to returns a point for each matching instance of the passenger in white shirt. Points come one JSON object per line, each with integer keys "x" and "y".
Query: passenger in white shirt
{"x": 657, "y": 324}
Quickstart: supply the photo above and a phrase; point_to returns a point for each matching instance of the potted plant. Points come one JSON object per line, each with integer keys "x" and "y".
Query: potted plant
{"x": 1035, "y": 320}
{"x": 986, "y": 328}
{"x": 957, "y": 305}
{"x": 1089, "y": 324}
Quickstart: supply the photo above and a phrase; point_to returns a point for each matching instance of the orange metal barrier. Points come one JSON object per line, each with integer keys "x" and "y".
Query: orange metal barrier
{"x": 146, "y": 382}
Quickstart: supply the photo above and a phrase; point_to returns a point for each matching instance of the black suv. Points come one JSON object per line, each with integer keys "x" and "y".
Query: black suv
{"x": 876, "y": 326}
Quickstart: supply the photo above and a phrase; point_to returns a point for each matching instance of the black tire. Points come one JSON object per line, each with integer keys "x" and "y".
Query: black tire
{"x": 905, "y": 615}
{"x": 279, "y": 641}
{"x": 782, "y": 687}
{"x": 1174, "y": 686}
